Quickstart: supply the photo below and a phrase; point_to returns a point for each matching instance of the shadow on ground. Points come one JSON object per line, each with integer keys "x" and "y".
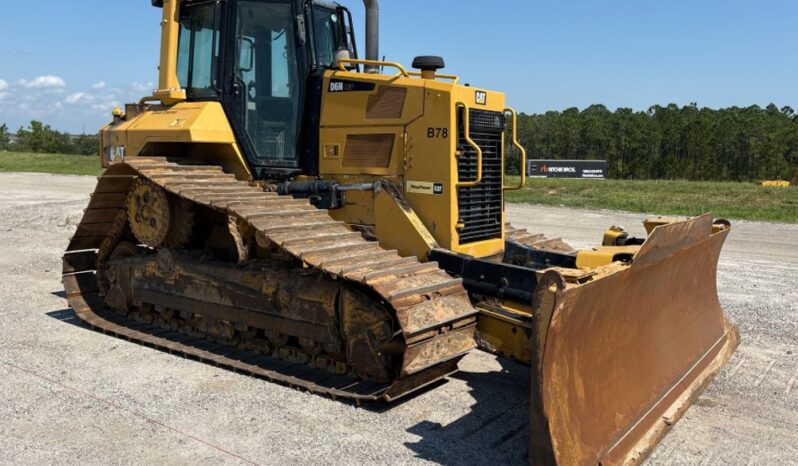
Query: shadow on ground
{"x": 496, "y": 431}
{"x": 67, "y": 316}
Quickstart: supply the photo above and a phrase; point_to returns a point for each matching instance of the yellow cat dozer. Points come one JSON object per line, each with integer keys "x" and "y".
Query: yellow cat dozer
{"x": 285, "y": 209}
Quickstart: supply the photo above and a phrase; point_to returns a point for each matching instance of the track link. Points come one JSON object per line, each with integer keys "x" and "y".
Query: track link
{"x": 536, "y": 241}
{"x": 433, "y": 310}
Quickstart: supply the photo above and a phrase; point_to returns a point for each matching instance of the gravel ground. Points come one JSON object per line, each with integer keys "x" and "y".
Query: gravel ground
{"x": 69, "y": 395}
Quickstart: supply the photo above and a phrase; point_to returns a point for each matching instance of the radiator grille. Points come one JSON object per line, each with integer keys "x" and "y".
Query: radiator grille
{"x": 480, "y": 207}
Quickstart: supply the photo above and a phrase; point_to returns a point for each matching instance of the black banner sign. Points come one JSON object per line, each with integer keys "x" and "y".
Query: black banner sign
{"x": 587, "y": 169}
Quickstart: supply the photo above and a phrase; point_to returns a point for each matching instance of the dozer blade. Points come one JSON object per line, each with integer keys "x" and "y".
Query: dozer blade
{"x": 619, "y": 359}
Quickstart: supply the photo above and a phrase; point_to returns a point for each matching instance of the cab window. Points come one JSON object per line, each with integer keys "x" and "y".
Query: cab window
{"x": 198, "y": 49}
{"x": 327, "y": 35}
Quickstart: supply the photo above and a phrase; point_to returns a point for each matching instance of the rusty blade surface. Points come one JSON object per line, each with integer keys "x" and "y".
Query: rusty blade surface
{"x": 624, "y": 356}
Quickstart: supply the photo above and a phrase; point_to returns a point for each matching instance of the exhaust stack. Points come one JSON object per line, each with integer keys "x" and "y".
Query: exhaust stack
{"x": 372, "y": 34}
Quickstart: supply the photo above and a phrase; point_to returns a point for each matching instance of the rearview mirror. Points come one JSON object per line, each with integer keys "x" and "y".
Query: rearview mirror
{"x": 246, "y": 53}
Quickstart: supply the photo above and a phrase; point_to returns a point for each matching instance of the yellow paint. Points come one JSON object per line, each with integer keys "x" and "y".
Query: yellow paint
{"x": 169, "y": 88}
{"x": 467, "y": 136}
{"x": 776, "y": 184}
{"x": 521, "y": 151}
{"x": 416, "y": 157}
{"x": 398, "y": 227}
{"x": 359, "y": 208}
{"x": 605, "y": 255}
{"x": 506, "y": 332}
{"x": 354, "y": 61}
{"x": 652, "y": 223}
{"x": 613, "y": 235}
{"x": 196, "y": 129}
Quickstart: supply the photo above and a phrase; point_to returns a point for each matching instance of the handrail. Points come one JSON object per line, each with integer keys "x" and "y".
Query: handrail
{"x": 521, "y": 150}
{"x": 354, "y": 61}
{"x": 402, "y": 70}
{"x": 455, "y": 79}
{"x": 150, "y": 98}
{"x": 474, "y": 145}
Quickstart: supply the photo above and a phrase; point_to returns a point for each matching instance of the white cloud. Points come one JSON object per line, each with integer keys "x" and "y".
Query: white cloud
{"x": 106, "y": 106}
{"x": 138, "y": 87}
{"x": 78, "y": 97}
{"x": 43, "y": 82}
{"x": 66, "y": 108}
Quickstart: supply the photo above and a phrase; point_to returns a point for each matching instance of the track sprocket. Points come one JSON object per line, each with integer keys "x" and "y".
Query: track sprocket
{"x": 158, "y": 219}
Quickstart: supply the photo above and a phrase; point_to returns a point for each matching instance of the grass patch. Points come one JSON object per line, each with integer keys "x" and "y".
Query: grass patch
{"x": 50, "y": 163}
{"x": 747, "y": 201}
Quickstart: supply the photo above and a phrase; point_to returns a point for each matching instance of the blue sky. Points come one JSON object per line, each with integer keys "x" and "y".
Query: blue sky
{"x": 67, "y": 63}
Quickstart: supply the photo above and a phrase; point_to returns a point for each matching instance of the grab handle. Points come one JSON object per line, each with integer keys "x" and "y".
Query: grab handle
{"x": 521, "y": 151}
{"x": 474, "y": 145}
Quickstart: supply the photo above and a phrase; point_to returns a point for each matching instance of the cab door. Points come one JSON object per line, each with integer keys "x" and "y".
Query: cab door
{"x": 269, "y": 75}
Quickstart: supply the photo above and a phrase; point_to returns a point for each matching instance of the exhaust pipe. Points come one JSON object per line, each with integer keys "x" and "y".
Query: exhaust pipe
{"x": 372, "y": 34}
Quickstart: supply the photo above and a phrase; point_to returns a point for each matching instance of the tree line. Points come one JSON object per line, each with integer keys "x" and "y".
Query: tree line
{"x": 41, "y": 138}
{"x": 672, "y": 142}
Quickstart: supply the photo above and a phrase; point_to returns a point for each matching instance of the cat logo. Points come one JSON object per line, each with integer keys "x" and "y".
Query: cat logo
{"x": 115, "y": 153}
{"x": 482, "y": 98}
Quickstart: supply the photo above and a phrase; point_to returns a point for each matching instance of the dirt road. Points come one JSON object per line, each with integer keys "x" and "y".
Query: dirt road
{"x": 69, "y": 395}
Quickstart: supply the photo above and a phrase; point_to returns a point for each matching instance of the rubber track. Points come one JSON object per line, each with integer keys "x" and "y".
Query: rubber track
{"x": 428, "y": 302}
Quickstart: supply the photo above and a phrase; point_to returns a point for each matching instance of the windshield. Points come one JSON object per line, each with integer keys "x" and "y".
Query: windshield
{"x": 269, "y": 73}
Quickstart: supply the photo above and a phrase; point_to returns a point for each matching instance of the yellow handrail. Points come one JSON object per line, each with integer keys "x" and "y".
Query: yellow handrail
{"x": 402, "y": 70}
{"x": 353, "y": 61}
{"x": 455, "y": 79}
{"x": 521, "y": 150}
{"x": 474, "y": 145}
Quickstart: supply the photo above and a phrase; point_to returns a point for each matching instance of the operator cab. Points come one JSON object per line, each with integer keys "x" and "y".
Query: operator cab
{"x": 264, "y": 60}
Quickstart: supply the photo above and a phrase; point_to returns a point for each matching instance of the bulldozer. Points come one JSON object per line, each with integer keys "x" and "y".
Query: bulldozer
{"x": 286, "y": 209}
